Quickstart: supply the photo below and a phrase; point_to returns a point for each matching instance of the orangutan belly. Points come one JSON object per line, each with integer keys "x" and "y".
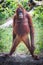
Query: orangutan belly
{"x": 22, "y": 28}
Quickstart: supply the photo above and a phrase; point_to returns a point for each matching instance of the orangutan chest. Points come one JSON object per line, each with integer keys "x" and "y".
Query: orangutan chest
{"x": 21, "y": 22}
{"x": 21, "y": 27}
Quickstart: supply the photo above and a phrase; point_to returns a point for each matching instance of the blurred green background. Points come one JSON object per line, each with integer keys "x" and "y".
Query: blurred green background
{"x": 7, "y": 10}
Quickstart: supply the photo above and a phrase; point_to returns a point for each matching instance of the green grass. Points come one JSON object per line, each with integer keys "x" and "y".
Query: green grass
{"x": 5, "y": 39}
{"x": 22, "y": 48}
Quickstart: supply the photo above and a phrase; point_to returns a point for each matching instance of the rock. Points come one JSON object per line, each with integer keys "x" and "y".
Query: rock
{"x": 20, "y": 60}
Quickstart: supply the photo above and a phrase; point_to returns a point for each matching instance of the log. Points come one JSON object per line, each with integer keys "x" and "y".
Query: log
{"x": 20, "y": 60}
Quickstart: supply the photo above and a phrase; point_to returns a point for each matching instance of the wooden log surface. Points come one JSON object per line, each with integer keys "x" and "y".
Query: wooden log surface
{"x": 20, "y": 60}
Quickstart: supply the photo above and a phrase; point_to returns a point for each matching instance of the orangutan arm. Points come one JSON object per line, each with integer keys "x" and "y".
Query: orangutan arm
{"x": 14, "y": 35}
{"x": 31, "y": 29}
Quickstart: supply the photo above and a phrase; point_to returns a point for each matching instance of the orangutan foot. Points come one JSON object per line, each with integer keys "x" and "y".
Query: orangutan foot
{"x": 36, "y": 57}
{"x": 6, "y": 55}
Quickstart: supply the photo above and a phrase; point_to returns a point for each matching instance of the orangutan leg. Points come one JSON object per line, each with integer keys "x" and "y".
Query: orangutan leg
{"x": 28, "y": 45}
{"x": 14, "y": 45}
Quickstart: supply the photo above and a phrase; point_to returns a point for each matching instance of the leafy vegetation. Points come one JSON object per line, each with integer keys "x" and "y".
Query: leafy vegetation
{"x": 38, "y": 23}
{"x": 7, "y": 9}
{"x": 5, "y": 39}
